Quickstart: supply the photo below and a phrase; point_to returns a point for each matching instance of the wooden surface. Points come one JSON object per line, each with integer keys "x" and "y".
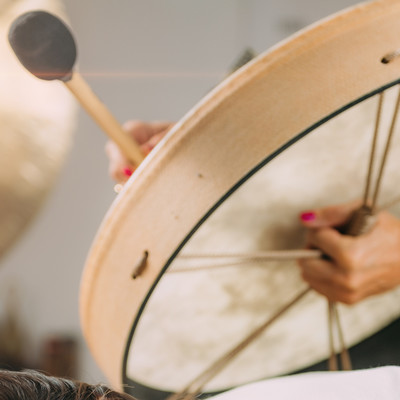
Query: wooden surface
{"x": 237, "y": 126}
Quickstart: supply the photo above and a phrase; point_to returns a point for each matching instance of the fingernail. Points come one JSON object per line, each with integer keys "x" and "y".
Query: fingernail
{"x": 127, "y": 171}
{"x": 307, "y": 216}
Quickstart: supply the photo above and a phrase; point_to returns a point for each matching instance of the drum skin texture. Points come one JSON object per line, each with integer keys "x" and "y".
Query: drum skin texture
{"x": 225, "y": 301}
{"x": 253, "y": 115}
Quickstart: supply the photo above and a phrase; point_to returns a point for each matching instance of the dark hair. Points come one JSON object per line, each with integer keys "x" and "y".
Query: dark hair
{"x": 33, "y": 385}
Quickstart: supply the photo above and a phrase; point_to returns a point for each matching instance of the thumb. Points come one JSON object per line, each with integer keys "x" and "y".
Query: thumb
{"x": 332, "y": 216}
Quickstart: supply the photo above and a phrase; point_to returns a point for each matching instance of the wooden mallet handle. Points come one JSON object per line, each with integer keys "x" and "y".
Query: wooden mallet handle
{"x": 103, "y": 117}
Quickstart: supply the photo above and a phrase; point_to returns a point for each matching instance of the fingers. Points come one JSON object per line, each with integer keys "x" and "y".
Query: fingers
{"x": 153, "y": 141}
{"x": 335, "y": 246}
{"x": 143, "y": 132}
{"x": 357, "y": 267}
{"x": 345, "y": 286}
{"x": 119, "y": 168}
{"x": 337, "y": 285}
{"x": 332, "y": 216}
{"x": 337, "y": 276}
{"x": 147, "y": 135}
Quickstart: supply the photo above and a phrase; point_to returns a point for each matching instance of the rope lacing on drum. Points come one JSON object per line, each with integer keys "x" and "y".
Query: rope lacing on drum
{"x": 361, "y": 221}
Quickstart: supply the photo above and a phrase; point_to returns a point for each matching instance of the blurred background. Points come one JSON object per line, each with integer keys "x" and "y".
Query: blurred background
{"x": 148, "y": 60}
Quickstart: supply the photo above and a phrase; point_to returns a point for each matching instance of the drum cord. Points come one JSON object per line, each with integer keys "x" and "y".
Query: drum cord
{"x": 386, "y": 151}
{"x": 360, "y": 222}
{"x": 334, "y": 320}
{"x": 196, "y": 385}
{"x": 373, "y": 148}
{"x": 257, "y": 257}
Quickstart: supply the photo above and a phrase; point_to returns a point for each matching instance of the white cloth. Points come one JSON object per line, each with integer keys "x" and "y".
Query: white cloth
{"x": 371, "y": 384}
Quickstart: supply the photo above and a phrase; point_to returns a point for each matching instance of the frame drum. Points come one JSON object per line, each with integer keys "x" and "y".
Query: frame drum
{"x": 298, "y": 121}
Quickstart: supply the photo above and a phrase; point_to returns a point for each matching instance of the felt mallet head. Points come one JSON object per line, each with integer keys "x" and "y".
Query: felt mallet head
{"x": 44, "y": 45}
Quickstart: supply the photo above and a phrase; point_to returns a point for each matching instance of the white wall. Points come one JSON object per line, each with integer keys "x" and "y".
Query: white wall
{"x": 147, "y": 59}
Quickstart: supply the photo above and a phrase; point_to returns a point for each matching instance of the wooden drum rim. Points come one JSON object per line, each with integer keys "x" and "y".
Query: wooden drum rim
{"x": 239, "y": 126}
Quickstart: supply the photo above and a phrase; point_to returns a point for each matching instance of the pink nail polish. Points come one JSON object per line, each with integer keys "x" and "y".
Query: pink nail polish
{"x": 127, "y": 171}
{"x": 307, "y": 216}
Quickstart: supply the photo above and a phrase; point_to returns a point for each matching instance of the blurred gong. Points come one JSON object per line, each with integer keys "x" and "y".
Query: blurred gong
{"x": 292, "y": 130}
{"x": 36, "y": 121}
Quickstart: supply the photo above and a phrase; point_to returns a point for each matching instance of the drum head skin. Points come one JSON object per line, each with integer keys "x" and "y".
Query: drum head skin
{"x": 175, "y": 203}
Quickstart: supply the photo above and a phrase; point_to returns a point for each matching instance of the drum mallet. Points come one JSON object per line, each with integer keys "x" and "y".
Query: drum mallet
{"x": 46, "y": 48}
